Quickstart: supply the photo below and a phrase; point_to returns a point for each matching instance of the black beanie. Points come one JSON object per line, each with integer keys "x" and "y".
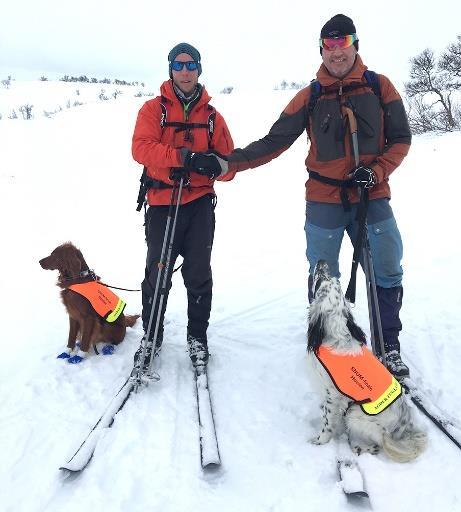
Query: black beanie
{"x": 339, "y": 25}
{"x": 184, "y": 48}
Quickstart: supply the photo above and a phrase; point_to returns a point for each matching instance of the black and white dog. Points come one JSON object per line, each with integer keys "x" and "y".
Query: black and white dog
{"x": 332, "y": 327}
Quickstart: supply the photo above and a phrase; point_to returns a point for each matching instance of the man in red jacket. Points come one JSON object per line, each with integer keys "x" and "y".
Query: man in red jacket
{"x": 169, "y": 130}
{"x": 331, "y": 191}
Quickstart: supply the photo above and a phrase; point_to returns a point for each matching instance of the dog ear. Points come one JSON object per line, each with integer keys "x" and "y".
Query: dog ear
{"x": 355, "y": 330}
{"x": 70, "y": 262}
{"x": 315, "y": 333}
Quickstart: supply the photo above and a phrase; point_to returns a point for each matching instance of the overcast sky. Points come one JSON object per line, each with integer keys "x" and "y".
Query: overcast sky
{"x": 243, "y": 43}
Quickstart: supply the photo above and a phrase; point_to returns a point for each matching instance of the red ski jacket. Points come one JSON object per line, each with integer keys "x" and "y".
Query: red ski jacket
{"x": 158, "y": 147}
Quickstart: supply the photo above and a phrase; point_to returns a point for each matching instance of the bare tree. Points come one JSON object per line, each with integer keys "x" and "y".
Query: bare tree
{"x": 431, "y": 90}
{"x": 26, "y": 111}
{"x": 451, "y": 61}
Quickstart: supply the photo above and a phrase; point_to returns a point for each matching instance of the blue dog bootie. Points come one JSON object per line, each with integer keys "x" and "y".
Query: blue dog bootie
{"x": 108, "y": 350}
{"x": 78, "y": 357}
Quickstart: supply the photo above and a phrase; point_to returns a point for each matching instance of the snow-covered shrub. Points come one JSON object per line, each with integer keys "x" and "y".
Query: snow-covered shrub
{"x": 26, "y": 111}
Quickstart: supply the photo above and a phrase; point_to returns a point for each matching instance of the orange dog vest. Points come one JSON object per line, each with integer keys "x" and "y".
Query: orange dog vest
{"x": 362, "y": 378}
{"x": 106, "y": 304}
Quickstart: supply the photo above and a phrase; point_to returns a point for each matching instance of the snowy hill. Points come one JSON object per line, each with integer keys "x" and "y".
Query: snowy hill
{"x": 71, "y": 177}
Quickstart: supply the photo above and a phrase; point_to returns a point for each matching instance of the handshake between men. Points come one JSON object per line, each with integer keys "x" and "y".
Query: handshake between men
{"x": 209, "y": 164}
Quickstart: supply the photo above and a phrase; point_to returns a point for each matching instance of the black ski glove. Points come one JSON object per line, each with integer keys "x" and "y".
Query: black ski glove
{"x": 364, "y": 177}
{"x": 207, "y": 164}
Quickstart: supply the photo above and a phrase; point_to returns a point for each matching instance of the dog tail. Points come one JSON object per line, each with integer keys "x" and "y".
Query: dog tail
{"x": 404, "y": 446}
{"x": 130, "y": 320}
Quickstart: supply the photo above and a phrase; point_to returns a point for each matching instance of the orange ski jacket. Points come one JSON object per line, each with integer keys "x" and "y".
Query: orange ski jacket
{"x": 157, "y": 147}
{"x": 106, "y": 304}
{"x": 362, "y": 378}
{"x": 384, "y": 135}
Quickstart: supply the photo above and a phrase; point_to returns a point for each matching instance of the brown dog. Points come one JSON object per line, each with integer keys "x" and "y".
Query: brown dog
{"x": 84, "y": 322}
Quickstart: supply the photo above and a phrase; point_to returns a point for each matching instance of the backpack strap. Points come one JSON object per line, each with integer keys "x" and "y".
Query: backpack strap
{"x": 163, "y": 118}
{"x": 211, "y": 122}
{"x": 180, "y": 126}
{"x": 371, "y": 78}
{"x": 342, "y": 184}
{"x": 373, "y": 81}
{"x": 316, "y": 92}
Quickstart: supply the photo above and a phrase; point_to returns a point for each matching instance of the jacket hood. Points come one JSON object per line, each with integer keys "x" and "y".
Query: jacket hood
{"x": 354, "y": 75}
{"x": 166, "y": 90}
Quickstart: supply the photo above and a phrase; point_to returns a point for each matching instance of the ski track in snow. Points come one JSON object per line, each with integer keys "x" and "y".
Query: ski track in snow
{"x": 72, "y": 178}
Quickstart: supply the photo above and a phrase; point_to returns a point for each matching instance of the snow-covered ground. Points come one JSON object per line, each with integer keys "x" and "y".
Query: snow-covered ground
{"x": 72, "y": 177}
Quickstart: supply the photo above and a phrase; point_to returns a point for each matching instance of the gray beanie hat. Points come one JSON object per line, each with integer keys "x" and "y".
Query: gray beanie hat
{"x": 184, "y": 48}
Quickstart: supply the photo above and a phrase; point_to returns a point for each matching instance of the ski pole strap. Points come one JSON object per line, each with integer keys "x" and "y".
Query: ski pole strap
{"x": 359, "y": 242}
{"x": 342, "y": 184}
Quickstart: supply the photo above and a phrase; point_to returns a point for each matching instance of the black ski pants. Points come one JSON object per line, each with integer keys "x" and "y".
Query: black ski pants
{"x": 193, "y": 240}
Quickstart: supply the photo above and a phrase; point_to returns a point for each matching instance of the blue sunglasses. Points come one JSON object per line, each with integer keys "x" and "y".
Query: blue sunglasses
{"x": 178, "y": 65}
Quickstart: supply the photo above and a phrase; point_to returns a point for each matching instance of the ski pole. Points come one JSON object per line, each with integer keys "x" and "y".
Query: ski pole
{"x": 372, "y": 294}
{"x": 162, "y": 275}
{"x": 361, "y": 212}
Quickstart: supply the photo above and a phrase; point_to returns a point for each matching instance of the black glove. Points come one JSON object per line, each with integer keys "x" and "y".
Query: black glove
{"x": 177, "y": 173}
{"x": 364, "y": 177}
{"x": 206, "y": 164}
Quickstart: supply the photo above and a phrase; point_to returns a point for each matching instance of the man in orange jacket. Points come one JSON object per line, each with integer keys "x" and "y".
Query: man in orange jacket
{"x": 169, "y": 130}
{"x": 384, "y": 139}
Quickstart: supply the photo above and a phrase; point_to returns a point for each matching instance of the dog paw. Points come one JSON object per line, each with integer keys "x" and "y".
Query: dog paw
{"x": 63, "y": 355}
{"x": 373, "y": 449}
{"x": 323, "y": 438}
{"x": 78, "y": 357}
{"x": 75, "y": 359}
{"x": 108, "y": 350}
{"x": 357, "y": 449}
